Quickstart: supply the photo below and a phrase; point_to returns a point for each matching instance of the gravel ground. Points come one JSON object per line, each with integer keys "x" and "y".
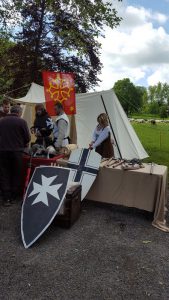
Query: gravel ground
{"x": 111, "y": 252}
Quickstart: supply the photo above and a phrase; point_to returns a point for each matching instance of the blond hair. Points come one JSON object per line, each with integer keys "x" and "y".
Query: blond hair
{"x": 102, "y": 119}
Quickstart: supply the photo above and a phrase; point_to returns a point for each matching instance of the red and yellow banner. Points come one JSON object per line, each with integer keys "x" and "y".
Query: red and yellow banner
{"x": 59, "y": 87}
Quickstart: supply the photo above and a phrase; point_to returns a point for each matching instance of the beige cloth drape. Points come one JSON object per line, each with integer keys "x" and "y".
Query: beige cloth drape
{"x": 136, "y": 188}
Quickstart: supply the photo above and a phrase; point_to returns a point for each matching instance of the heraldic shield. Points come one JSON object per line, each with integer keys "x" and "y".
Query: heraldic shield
{"x": 44, "y": 197}
{"x": 84, "y": 165}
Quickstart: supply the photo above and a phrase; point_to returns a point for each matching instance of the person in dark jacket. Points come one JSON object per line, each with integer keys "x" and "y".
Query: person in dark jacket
{"x": 43, "y": 126}
{"x": 14, "y": 137}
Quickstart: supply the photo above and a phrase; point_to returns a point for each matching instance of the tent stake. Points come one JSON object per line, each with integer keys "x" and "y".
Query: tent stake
{"x": 111, "y": 126}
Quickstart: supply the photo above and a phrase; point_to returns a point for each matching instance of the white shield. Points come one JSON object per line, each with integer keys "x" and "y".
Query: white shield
{"x": 84, "y": 165}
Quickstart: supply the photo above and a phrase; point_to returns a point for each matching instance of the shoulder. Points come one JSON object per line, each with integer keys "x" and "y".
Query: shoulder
{"x": 2, "y": 114}
{"x": 62, "y": 122}
{"x": 21, "y": 121}
{"x": 62, "y": 118}
{"x": 4, "y": 118}
{"x": 98, "y": 128}
{"x": 65, "y": 117}
{"x": 107, "y": 129}
{"x": 47, "y": 116}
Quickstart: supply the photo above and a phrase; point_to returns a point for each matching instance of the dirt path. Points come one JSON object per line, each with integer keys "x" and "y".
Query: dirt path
{"x": 110, "y": 253}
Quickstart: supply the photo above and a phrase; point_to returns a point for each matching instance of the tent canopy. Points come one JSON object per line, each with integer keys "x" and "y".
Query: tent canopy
{"x": 35, "y": 95}
{"x": 89, "y": 106}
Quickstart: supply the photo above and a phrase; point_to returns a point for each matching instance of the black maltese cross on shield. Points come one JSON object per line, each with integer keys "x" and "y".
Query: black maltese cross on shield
{"x": 43, "y": 199}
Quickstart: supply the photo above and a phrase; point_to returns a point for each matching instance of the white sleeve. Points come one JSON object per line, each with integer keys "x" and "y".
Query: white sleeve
{"x": 102, "y": 136}
{"x": 94, "y": 136}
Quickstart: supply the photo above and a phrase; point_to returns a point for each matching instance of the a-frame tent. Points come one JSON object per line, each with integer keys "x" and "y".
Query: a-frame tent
{"x": 89, "y": 106}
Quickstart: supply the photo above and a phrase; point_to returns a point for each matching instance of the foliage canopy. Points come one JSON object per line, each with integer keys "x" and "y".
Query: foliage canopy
{"x": 58, "y": 35}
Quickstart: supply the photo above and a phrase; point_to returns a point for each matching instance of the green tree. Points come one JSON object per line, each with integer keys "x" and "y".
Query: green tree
{"x": 151, "y": 93}
{"x": 159, "y": 93}
{"x": 142, "y": 97}
{"x": 163, "y": 111}
{"x": 57, "y": 35}
{"x": 6, "y": 78}
{"x": 129, "y": 95}
{"x": 166, "y": 92}
{"x": 153, "y": 108}
{"x": 145, "y": 101}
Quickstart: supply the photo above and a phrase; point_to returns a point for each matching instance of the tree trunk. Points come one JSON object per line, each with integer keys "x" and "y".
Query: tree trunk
{"x": 38, "y": 40}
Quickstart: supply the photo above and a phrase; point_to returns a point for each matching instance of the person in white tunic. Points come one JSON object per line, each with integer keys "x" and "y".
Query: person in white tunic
{"x": 61, "y": 127}
{"x": 101, "y": 140}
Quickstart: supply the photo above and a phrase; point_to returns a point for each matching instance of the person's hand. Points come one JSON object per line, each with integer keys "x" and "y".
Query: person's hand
{"x": 32, "y": 130}
{"x": 57, "y": 149}
{"x": 91, "y": 146}
{"x": 38, "y": 134}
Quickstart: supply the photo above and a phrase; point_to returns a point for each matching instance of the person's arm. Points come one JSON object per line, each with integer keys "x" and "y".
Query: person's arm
{"x": 94, "y": 136}
{"x": 102, "y": 136}
{"x": 48, "y": 128}
{"x": 62, "y": 129}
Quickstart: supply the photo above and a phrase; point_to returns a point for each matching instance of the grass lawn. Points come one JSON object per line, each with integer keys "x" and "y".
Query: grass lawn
{"x": 147, "y": 116}
{"x": 155, "y": 139}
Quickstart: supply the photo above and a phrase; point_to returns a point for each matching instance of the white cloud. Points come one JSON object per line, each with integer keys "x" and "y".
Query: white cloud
{"x": 136, "y": 49}
{"x": 160, "y": 74}
{"x": 161, "y": 18}
{"x": 137, "y": 16}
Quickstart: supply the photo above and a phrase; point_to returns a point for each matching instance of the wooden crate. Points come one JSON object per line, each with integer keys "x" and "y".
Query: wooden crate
{"x": 71, "y": 208}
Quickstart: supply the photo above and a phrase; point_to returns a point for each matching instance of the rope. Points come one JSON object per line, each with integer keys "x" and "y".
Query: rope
{"x": 6, "y": 94}
{"x": 17, "y": 89}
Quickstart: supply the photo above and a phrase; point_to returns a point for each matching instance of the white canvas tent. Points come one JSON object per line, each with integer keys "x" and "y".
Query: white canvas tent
{"x": 89, "y": 106}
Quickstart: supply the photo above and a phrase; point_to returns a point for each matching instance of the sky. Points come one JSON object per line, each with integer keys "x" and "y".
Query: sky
{"x": 139, "y": 48}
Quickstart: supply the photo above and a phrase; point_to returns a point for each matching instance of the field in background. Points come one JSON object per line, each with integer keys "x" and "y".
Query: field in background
{"x": 147, "y": 117}
{"x": 155, "y": 139}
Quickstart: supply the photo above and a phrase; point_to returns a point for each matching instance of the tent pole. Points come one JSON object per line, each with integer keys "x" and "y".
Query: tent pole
{"x": 111, "y": 126}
